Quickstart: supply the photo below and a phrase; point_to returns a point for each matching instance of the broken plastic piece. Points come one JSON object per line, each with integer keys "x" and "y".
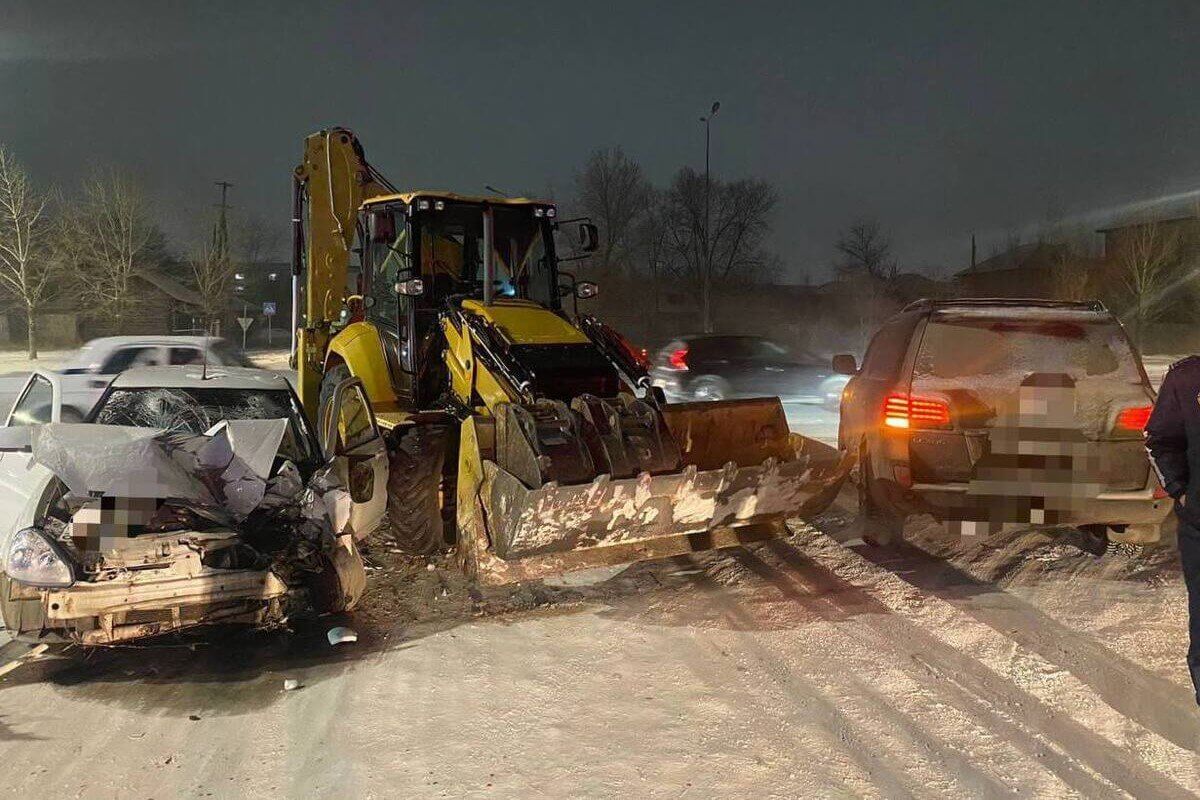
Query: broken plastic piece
{"x": 341, "y": 635}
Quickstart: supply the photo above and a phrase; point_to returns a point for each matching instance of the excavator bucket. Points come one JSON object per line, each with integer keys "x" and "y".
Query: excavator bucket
{"x": 550, "y": 489}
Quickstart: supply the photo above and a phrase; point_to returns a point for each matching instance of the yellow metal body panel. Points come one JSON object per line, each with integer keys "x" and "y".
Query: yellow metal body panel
{"x": 361, "y": 348}
{"x": 526, "y": 322}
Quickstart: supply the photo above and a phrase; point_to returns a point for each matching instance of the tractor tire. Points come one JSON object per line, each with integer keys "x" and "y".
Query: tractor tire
{"x": 418, "y": 489}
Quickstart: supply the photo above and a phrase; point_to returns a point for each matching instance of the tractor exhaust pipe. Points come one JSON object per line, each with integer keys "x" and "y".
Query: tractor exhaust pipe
{"x": 489, "y": 259}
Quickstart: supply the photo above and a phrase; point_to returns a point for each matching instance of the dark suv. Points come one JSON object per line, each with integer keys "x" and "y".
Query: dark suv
{"x": 723, "y": 367}
{"x": 992, "y": 414}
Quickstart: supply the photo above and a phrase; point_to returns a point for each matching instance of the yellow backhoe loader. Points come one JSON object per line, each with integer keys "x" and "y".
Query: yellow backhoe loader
{"x": 526, "y": 435}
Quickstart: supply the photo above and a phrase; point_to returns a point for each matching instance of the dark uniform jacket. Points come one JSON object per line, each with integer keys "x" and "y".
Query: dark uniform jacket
{"x": 1173, "y": 437}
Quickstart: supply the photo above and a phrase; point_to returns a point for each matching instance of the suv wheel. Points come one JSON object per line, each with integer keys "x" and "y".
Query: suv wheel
{"x": 880, "y": 525}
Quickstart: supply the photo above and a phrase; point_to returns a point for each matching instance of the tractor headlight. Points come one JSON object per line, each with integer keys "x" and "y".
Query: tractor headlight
{"x": 34, "y": 560}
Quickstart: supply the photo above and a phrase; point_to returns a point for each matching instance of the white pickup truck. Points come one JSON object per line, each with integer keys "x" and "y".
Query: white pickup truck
{"x": 91, "y": 369}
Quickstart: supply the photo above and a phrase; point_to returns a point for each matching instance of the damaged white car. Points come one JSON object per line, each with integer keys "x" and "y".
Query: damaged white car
{"x": 189, "y": 497}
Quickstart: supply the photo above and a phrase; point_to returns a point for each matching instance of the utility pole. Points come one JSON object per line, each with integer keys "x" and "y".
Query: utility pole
{"x": 707, "y": 277}
{"x": 221, "y": 231}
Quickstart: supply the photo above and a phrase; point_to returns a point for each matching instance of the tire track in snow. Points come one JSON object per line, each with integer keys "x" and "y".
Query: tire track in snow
{"x": 986, "y": 704}
{"x": 1151, "y": 700}
{"x": 855, "y": 744}
{"x": 1000, "y": 670}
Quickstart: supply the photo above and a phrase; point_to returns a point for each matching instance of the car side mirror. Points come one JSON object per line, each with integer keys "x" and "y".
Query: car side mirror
{"x": 586, "y": 290}
{"x": 413, "y": 287}
{"x": 589, "y": 237}
{"x": 845, "y": 364}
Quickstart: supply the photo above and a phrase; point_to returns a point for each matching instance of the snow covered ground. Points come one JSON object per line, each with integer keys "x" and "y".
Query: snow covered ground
{"x": 799, "y": 668}
{"x": 814, "y": 666}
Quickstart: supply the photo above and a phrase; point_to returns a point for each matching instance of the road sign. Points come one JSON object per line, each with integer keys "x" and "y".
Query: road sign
{"x": 245, "y": 322}
{"x": 269, "y": 308}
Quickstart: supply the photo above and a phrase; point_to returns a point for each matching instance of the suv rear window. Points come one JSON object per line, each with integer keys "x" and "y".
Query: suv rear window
{"x": 1010, "y": 348}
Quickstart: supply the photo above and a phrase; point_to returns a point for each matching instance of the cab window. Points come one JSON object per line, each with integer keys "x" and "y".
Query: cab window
{"x": 387, "y": 262}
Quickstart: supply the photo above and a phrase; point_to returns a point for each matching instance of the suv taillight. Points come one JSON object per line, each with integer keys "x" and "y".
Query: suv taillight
{"x": 1134, "y": 418}
{"x": 902, "y": 410}
{"x": 678, "y": 358}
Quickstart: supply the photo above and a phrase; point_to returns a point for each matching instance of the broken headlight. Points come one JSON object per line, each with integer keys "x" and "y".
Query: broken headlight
{"x": 34, "y": 560}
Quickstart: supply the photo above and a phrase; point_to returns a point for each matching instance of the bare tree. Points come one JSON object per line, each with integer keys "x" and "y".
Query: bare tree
{"x": 255, "y": 242}
{"x": 726, "y": 247}
{"x": 612, "y": 189}
{"x": 27, "y": 264}
{"x": 212, "y": 272}
{"x": 1073, "y": 268}
{"x": 112, "y": 238}
{"x": 1149, "y": 258}
{"x": 866, "y": 251}
{"x": 867, "y": 270}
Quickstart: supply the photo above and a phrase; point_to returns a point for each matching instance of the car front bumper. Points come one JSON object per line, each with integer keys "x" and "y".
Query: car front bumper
{"x": 148, "y": 603}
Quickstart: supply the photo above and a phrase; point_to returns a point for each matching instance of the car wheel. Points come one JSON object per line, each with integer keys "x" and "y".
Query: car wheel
{"x": 709, "y": 387}
{"x": 880, "y": 525}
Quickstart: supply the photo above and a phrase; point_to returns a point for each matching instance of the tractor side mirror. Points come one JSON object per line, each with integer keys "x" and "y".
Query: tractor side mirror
{"x": 413, "y": 287}
{"x": 845, "y": 364}
{"x": 589, "y": 237}
{"x": 586, "y": 290}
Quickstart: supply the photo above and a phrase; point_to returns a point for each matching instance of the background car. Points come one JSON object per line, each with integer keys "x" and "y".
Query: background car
{"x": 91, "y": 369}
{"x": 994, "y": 412}
{"x": 721, "y": 367}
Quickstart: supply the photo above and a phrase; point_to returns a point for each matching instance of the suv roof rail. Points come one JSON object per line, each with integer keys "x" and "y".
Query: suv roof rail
{"x": 1004, "y": 302}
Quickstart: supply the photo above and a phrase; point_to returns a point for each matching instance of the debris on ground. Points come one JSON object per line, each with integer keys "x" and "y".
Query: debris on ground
{"x": 341, "y": 635}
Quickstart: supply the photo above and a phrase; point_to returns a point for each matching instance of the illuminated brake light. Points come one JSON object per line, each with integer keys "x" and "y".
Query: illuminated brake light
{"x": 1134, "y": 418}
{"x": 678, "y": 359}
{"x": 904, "y": 411}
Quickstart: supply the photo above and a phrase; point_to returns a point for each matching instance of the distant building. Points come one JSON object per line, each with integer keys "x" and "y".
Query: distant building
{"x": 1027, "y": 270}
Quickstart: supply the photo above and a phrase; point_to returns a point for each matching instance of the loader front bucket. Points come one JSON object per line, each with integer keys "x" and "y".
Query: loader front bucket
{"x": 738, "y": 477}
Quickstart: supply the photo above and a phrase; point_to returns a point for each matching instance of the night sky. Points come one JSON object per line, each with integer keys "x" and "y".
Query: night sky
{"x": 938, "y": 119}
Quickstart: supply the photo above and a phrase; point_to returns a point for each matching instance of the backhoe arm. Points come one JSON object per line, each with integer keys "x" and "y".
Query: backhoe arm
{"x": 331, "y": 184}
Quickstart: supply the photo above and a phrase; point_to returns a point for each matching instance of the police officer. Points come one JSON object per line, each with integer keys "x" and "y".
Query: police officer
{"x": 1173, "y": 441}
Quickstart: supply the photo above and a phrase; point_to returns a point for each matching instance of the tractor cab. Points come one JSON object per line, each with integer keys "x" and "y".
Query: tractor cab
{"x": 425, "y": 253}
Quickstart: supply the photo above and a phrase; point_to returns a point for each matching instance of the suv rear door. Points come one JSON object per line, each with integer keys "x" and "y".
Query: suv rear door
{"x": 1060, "y": 377}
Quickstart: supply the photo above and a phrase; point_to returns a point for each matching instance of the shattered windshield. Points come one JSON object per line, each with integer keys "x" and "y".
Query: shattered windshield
{"x": 193, "y": 410}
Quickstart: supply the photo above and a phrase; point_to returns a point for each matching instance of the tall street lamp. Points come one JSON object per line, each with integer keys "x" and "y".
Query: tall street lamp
{"x": 707, "y": 120}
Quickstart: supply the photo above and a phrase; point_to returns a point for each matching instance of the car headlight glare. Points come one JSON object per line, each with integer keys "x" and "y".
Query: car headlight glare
{"x": 34, "y": 560}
